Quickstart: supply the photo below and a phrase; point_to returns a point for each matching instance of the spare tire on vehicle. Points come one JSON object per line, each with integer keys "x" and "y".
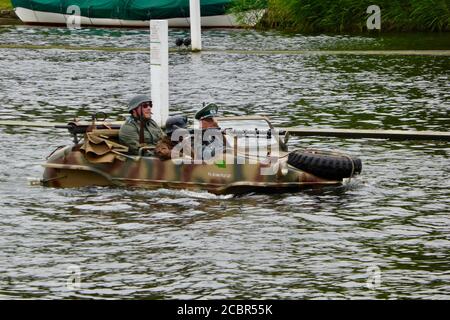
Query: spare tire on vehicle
{"x": 327, "y": 165}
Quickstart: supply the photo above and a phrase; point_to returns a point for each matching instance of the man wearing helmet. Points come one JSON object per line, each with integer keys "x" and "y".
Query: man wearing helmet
{"x": 140, "y": 130}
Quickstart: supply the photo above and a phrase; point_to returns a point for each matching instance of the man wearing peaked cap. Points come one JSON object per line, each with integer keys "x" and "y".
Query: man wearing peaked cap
{"x": 208, "y": 111}
{"x": 210, "y": 130}
{"x": 206, "y": 116}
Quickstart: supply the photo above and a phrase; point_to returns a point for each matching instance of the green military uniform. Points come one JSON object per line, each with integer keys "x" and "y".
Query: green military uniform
{"x": 209, "y": 111}
{"x": 130, "y": 132}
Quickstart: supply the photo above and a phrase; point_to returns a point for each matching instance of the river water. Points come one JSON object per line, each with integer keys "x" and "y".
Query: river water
{"x": 385, "y": 235}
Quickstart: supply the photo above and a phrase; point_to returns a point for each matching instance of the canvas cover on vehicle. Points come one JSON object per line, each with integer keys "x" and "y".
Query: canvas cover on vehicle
{"x": 99, "y": 148}
{"x": 126, "y": 9}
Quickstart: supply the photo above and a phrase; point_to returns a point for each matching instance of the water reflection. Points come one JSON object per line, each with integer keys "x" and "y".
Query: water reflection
{"x": 224, "y": 39}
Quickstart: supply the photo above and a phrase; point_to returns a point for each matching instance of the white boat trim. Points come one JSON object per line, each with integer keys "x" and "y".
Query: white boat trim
{"x": 29, "y": 16}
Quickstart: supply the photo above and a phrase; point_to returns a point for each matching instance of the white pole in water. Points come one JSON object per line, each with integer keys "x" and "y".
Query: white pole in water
{"x": 196, "y": 37}
{"x": 159, "y": 70}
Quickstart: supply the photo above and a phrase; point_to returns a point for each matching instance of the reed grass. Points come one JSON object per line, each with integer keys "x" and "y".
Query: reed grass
{"x": 5, "y": 4}
{"x": 338, "y": 16}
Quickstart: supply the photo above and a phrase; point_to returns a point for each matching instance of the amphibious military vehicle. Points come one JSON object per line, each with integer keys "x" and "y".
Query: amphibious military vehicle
{"x": 254, "y": 158}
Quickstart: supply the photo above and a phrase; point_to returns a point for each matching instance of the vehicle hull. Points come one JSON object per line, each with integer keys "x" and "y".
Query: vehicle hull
{"x": 68, "y": 167}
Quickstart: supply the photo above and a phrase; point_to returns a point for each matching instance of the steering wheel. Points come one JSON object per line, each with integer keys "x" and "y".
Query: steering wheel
{"x": 97, "y": 116}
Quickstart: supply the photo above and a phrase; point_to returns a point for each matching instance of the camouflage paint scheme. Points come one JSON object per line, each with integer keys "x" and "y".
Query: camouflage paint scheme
{"x": 69, "y": 167}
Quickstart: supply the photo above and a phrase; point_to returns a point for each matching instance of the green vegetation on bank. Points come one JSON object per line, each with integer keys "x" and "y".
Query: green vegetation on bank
{"x": 350, "y": 15}
{"x": 5, "y": 4}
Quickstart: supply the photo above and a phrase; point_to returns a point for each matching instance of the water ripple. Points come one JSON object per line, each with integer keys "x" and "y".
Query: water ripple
{"x": 131, "y": 243}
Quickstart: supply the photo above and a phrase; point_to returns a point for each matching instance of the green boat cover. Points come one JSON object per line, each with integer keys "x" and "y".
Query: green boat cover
{"x": 127, "y": 9}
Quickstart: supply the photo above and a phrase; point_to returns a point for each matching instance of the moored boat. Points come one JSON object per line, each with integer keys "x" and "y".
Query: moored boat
{"x": 123, "y": 13}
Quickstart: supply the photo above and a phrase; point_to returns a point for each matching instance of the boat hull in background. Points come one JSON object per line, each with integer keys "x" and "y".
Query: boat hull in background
{"x": 29, "y": 16}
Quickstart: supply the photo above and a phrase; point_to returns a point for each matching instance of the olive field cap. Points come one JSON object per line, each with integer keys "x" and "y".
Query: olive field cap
{"x": 137, "y": 100}
{"x": 175, "y": 122}
{"x": 209, "y": 111}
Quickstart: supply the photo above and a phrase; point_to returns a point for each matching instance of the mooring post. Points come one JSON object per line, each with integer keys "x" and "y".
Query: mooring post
{"x": 196, "y": 37}
{"x": 159, "y": 70}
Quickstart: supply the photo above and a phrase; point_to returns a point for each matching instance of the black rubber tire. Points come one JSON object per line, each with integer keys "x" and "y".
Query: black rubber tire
{"x": 325, "y": 165}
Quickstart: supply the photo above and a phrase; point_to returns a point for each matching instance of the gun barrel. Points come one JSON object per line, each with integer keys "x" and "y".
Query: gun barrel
{"x": 80, "y": 128}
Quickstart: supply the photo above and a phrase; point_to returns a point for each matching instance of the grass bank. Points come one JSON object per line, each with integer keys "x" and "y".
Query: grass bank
{"x": 338, "y": 16}
{"x": 5, "y": 5}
